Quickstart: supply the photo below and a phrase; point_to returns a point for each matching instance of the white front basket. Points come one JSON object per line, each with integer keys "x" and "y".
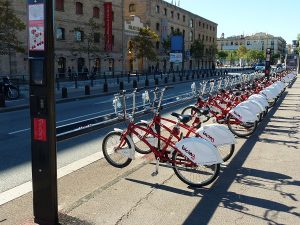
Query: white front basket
{"x": 217, "y": 134}
{"x": 199, "y": 151}
{"x": 243, "y": 114}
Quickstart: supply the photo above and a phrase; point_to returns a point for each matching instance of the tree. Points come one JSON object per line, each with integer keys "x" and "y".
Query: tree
{"x": 142, "y": 45}
{"x": 90, "y": 45}
{"x": 298, "y": 42}
{"x": 241, "y": 52}
{"x": 10, "y": 24}
{"x": 197, "y": 50}
{"x": 166, "y": 45}
{"x": 211, "y": 52}
{"x": 222, "y": 55}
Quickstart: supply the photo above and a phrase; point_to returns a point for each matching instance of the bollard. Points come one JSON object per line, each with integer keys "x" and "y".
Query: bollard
{"x": 64, "y": 92}
{"x": 92, "y": 81}
{"x": 180, "y": 77}
{"x": 121, "y": 85}
{"x": 128, "y": 77}
{"x": 174, "y": 79}
{"x": 134, "y": 84}
{"x": 105, "y": 87}
{"x": 146, "y": 83}
{"x": 87, "y": 90}
{"x": 2, "y": 97}
{"x": 166, "y": 80}
{"x": 75, "y": 80}
{"x": 156, "y": 81}
{"x": 187, "y": 77}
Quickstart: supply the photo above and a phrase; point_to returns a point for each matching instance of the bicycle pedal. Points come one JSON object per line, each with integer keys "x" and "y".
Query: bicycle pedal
{"x": 154, "y": 174}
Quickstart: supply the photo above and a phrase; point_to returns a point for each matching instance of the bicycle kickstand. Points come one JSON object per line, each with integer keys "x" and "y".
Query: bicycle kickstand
{"x": 156, "y": 168}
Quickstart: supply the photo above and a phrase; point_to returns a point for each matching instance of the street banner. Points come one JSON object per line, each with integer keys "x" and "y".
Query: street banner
{"x": 108, "y": 26}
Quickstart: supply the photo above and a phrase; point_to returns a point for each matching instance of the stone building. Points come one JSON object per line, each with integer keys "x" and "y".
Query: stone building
{"x": 165, "y": 18}
{"x": 80, "y": 46}
{"x": 259, "y": 41}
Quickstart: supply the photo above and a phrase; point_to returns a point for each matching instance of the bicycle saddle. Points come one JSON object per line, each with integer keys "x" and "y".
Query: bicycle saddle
{"x": 181, "y": 118}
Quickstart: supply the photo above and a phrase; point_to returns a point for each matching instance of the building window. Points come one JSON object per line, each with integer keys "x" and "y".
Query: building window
{"x": 59, "y": 5}
{"x": 132, "y": 8}
{"x": 96, "y": 37}
{"x": 213, "y": 28}
{"x": 112, "y": 16}
{"x": 191, "y": 36}
{"x": 203, "y": 25}
{"x": 209, "y": 27}
{"x": 178, "y": 16}
{"x": 231, "y": 43}
{"x": 183, "y": 33}
{"x": 248, "y": 42}
{"x": 60, "y": 33}
{"x": 157, "y": 9}
{"x": 206, "y": 38}
{"x": 113, "y": 40}
{"x": 157, "y": 26}
{"x": 165, "y": 11}
{"x": 209, "y": 39}
{"x": 191, "y": 23}
{"x": 183, "y": 18}
{"x": 79, "y": 8}
{"x": 172, "y": 30}
{"x": 78, "y": 35}
{"x": 199, "y": 24}
{"x": 96, "y": 12}
{"x": 172, "y": 14}
{"x": 199, "y": 36}
{"x": 202, "y": 37}
{"x": 272, "y": 42}
{"x": 213, "y": 40}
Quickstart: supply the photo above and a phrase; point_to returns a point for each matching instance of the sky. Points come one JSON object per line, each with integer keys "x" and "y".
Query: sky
{"x": 237, "y": 17}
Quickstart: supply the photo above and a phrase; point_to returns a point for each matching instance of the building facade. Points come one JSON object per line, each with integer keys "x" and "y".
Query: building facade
{"x": 165, "y": 18}
{"x": 259, "y": 41}
{"x": 94, "y": 35}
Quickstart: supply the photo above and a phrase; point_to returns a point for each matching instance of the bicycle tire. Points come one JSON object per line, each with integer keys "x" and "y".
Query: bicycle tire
{"x": 12, "y": 93}
{"x": 240, "y": 130}
{"x": 226, "y": 151}
{"x": 195, "y": 113}
{"x": 115, "y": 159}
{"x": 182, "y": 172}
{"x": 139, "y": 145}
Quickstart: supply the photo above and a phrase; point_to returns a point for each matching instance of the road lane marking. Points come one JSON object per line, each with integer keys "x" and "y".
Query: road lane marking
{"x": 25, "y": 188}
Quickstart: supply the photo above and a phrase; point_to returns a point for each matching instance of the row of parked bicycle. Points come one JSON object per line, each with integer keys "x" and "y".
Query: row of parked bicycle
{"x": 194, "y": 152}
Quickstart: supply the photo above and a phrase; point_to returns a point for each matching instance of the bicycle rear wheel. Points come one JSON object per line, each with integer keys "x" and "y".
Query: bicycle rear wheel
{"x": 226, "y": 151}
{"x": 240, "y": 129}
{"x": 112, "y": 144}
{"x": 12, "y": 93}
{"x": 197, "y": 176}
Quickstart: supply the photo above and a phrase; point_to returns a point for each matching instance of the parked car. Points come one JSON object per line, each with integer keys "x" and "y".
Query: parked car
{"x": 260, "y": 67}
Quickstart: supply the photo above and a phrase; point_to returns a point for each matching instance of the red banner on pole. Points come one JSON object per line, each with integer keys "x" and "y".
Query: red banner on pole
{"x": 108, "y": 26}
{"x": 39, "y": 129}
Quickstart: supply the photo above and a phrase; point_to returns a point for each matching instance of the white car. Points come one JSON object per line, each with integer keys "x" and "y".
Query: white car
{"x": 260, "y": 67}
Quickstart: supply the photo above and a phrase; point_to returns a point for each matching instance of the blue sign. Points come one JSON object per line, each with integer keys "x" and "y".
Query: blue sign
{"x": 177, "y": 43}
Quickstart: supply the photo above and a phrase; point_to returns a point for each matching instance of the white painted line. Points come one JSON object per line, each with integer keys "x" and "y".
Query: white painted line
{"x": 19, "y": 131}
{"x": 25, "y": 188}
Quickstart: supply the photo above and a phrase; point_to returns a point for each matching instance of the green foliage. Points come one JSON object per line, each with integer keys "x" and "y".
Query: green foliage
{"x": 222, "y": 55}
{"x": 197, "y": 50}
{"x": 10, "y": 24}
{"x": 255, "y": 55}
{"x": 242, "y": 52}
{"x": 299, "y": 44}
{"x": 88, "y": 45}
{"x": 212, "y": 51}
{"x": 142, "y": 44}
{"x": 166, "y": 44}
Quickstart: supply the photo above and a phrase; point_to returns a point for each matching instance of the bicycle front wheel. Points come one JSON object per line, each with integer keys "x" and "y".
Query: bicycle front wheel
{"x": 226, "y": 151}
{"x": 197, "y": 176}
{"x": 12, "y": 93}
{"x": 195, "y": 113}
{"x": 112, "y": 144}
{"x": 140, "y": 146}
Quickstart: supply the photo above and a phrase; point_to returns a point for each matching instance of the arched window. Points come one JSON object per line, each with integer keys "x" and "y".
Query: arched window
{"x": 79, "y": 8}
{"x": 131, "y": 7}
{"x": 96, "y": 12}
{"x": 59, "y": 5}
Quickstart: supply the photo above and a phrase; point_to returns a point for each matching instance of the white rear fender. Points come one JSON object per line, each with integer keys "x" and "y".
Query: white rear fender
{"x": 243, "y": 114}
{"x": 217, "y": 134}
{"x": 252, "y": 106}
{"x": 199, "y": 151}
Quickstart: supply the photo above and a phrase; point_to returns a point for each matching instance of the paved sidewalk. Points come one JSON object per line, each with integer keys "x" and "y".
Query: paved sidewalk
{"x": 259, "y": 185}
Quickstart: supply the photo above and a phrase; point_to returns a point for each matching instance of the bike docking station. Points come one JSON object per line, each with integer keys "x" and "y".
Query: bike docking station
{"x": 42, "y": 111}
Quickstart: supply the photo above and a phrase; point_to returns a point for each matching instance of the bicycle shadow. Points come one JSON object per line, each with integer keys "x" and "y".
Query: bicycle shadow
{"x": 219, "y": 196}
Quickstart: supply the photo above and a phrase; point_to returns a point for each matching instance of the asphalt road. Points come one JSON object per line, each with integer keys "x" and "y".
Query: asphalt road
{"x": 15, "y": 150}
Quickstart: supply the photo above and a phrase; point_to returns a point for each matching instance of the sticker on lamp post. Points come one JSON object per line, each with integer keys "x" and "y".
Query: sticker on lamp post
{"x": 36, "y": 27}
{"x": 39, "y": 129}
